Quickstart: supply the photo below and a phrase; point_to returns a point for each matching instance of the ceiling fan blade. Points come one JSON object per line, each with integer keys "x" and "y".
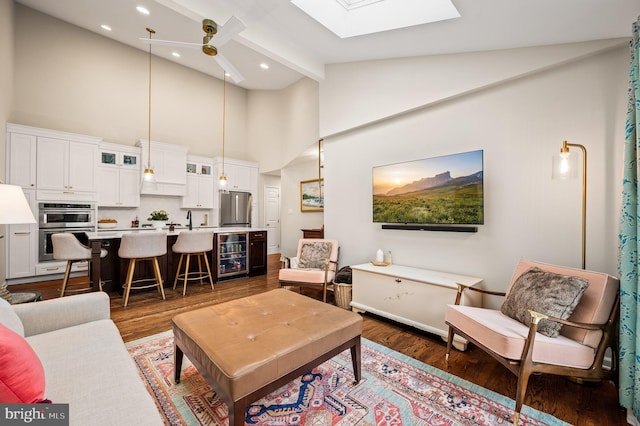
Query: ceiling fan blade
{"x": 232, "y": 28}
{"x": 234, "y": 74}
{"x": 172, "y": 43}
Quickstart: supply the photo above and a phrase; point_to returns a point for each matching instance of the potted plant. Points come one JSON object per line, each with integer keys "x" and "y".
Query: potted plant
{"x": 159, "y": 218}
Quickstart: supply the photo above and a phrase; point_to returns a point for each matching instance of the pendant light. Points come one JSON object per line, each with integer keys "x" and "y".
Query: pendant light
{"x": 148, "y": 177}
{"x": 223, "y": 178}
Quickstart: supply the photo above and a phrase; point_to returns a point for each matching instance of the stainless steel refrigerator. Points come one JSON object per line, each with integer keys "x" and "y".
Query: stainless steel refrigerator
{"x": 235, "y": 208}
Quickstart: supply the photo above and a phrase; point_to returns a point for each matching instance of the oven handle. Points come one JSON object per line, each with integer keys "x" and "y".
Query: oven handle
{"x": 45, "y": 224}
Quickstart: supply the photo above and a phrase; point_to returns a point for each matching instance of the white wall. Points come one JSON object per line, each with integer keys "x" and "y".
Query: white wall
{"x": 358, "y": 93}
{"x": 520, "y": 124}
{"x": 6, "y": 99}
{"x": 282, "y": 124}
{"x": 292, "y": 220}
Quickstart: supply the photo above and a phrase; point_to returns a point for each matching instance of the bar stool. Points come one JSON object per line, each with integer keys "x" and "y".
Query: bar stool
{"x": 67, "y": 247}
{"x": 145, "y": 245}
{"x": 193, "y": 243}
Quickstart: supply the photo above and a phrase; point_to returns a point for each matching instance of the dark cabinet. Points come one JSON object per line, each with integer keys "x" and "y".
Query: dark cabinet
{"x": 109, "y": 270}
{"x": 144, "y": 270}
{"x": 258, "y": 253}
{"x": 173, "y": 260}
{"x": 313, "y": 233}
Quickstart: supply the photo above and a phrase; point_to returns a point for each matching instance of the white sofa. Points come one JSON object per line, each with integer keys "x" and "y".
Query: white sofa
{"x": 86, "y": 363}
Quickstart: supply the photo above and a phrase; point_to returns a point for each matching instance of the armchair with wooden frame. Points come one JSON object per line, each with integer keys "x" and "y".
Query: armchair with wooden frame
{"x": 314, "y": 266}
{"x": 579, "y": 350}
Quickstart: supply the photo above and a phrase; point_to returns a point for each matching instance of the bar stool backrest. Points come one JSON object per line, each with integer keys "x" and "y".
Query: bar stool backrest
{"x": 193, "y": 242}
{"x": 67, "y": 247}
{"x": 137, "y": 245}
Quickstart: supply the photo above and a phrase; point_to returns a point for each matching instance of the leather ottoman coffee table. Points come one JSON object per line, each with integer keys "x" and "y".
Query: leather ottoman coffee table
{"x": 249, "y": 347}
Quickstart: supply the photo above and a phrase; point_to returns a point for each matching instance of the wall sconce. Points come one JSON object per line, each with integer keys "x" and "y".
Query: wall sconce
{"x": 566, "y": 168}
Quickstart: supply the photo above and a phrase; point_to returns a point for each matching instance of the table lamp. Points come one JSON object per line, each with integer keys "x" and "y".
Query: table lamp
{"x": 14, "y": 209}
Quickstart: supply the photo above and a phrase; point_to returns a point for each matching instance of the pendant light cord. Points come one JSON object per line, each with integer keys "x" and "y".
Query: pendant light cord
{"x": 224, "y": 113}
{"x": 149, "y": 121}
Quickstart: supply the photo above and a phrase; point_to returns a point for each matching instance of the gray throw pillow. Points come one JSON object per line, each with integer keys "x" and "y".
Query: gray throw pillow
{"x": 545, "y": 292}
{"x": 314, "y": 255}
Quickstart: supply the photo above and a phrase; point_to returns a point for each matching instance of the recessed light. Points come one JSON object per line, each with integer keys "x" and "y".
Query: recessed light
{"x": 105, "y": 27}
{"x": 264, "y": 66}
{"x": 176, "y": 54}
{"x": 142, "y": 10}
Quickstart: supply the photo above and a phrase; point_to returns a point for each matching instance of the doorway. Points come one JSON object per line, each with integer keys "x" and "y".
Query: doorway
{"x": 272, "y": 218}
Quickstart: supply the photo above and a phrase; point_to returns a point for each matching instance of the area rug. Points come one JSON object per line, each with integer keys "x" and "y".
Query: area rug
{"x": 395, "y": 390}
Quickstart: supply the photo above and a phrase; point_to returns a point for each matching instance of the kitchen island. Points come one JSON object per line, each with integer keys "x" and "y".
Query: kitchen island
{"x": 236, "y": 252}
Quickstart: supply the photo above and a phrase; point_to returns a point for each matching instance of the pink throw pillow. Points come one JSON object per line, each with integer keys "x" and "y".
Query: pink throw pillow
{"x": 22, "y": 374}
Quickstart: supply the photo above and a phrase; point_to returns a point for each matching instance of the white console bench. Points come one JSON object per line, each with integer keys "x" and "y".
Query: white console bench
{"x": 412, "y": 296}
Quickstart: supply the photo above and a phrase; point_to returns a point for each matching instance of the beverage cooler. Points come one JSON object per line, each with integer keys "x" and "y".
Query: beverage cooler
{"x": 232, "y": 254}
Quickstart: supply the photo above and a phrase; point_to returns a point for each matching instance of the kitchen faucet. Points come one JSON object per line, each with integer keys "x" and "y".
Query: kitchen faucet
{"x": 190, "y": 222}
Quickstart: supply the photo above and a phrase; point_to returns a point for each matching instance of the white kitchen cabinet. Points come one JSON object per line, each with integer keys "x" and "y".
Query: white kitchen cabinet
{"x": 199, "y": 191}
{"x": 238, "y": 177}
{"x": 118, "y": 176}
{"x": 22, "y": 243}
{"x": 168, "y": 164}
{"x": 65, "y": 169}
{"x": 52, "y": 268}
{"x": 241, "y": 176}
{"x": 413, "y": 296}
{"x": 21, "y": 158}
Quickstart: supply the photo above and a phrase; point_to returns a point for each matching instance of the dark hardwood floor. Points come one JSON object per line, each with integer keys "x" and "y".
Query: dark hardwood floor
{"x": 148, "y": 314}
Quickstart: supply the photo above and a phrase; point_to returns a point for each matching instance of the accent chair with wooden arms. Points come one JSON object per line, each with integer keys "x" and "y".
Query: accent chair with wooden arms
{"x": 314, "y": 265}
{"x": 569, "y": 339}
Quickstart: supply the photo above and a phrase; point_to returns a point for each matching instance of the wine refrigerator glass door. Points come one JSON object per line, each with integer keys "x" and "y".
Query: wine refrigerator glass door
{"x": 232, "y": 254}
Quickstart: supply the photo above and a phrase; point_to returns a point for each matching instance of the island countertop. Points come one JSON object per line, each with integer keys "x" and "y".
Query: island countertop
{"x": 104, "y": 234}
{"x": 113, "y": 235}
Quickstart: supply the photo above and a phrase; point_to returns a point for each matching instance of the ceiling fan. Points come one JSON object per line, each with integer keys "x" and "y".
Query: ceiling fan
{"x": 233, "y": 27}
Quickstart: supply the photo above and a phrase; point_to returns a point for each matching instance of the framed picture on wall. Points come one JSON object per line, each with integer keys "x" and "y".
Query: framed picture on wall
{"x": 311, "y": 197}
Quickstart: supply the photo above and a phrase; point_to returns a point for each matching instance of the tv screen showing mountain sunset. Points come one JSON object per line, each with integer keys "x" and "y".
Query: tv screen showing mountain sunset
{"x": 438, "y": 190}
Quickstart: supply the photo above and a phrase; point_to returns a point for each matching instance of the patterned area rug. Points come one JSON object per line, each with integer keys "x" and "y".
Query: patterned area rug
{"x": 394, "y": 390}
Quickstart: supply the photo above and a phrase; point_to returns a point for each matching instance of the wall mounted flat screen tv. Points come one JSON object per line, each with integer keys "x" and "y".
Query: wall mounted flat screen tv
{"x": 439, "y": 190}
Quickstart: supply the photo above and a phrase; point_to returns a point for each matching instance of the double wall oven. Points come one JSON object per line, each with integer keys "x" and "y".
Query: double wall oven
{"x": 54, "y": 217}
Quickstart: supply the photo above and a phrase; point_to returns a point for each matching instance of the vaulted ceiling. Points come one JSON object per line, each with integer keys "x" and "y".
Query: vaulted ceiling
{"x": 292, "y": 44}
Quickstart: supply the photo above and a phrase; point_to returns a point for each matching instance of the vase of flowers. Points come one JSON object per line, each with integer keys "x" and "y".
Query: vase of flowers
{"x": 159, "y": 218}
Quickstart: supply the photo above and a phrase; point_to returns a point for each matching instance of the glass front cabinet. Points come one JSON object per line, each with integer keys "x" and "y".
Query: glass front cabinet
{"x": 232, "y": 254}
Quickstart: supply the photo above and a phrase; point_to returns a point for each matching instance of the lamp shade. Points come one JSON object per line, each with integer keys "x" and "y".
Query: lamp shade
{"x": 14, "y": 207}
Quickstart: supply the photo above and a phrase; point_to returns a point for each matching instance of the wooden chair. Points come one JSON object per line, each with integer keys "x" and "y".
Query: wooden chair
{"x": 578, "y": 352}
{"x": 309, "y": 268}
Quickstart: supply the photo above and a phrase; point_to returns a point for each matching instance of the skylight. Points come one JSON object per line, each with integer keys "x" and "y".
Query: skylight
{"x": 349, "y": 18}
{"x": 353, "y": 4}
